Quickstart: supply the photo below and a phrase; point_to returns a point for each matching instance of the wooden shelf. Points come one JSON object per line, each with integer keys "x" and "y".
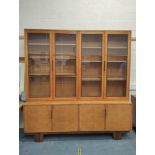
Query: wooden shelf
{"x": 117, "y": 55}
{"x": 116, "y": 61}
{"x": 91, "y": 47}
{"x": 91, "y": 58}
{"x": 38, "y": 44}
{"x": 89, "y": 61}
{"x": 65, "y": 58}
{"x": 64, "y": 55}
{"x": 66, "y": 74}
{"x": 116, "y": 79}
{"x": 39, "y": 57}
{"x": 117, "y": 47}
{"x": 39, "y": 74}
{"x": 91, "y": 79}
{"x": 39, "y": 54}
{"x": 59, "y": 44}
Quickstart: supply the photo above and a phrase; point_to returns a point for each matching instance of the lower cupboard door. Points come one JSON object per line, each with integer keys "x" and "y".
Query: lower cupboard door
{"x": 65, "y": 118}
{"x": 92, "y": 117}
{"x": 118, "y": 117}
{"x": 37, "y": 118}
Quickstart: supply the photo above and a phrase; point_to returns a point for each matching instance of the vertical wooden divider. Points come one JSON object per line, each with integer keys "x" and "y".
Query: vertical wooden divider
{"x": 51, "y": 77}
{"x": 26, "y": 65}
{"x": 105, "y": 61}
{"x": 79, "y": 63}
{"x": 52, "y": 58}
{"x": 103, "y": 69}
{"x": 128, "y": 65}
{"x": 78, "y": 73}
{"x": 77, "y": 67}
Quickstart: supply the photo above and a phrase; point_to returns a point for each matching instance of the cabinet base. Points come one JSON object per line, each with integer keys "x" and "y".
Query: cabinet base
{"x": 117, "y": 135}
{"x": 38, "y": 137}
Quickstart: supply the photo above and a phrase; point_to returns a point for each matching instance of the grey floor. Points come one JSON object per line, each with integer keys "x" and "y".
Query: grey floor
{"x": 90, "y": 144}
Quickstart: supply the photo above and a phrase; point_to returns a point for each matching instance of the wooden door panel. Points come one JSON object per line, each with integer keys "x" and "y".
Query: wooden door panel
{"x": 65, "y": 118}
{"x": 117, "y": 66}
{"x": 38, "y": 64}
{"x": 118, "y": 117}
{"x": 65, "y": 64}
{"x": 37, "y": 118}
{"x": 91, "y": 64}
{"x": 92, "y": 117}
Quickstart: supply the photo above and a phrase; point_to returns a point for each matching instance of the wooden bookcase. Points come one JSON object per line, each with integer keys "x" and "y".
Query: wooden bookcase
{"x": 77, "y": 81}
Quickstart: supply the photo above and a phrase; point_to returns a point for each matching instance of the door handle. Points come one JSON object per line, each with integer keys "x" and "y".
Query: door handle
{"x": 104, "y": 66}
{"x": 52, "y": 65}
{"x": 51, "y": 112}
{"x": 105, "y": 112}
{"x": 105, "y": 117}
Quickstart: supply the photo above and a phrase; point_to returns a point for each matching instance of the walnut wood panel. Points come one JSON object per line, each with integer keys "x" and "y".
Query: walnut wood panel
{"x": 118, "y": 117}
{"x": 65, "y": 118}
{"x": 37, "y": 118}
{"x": 92, "y": 117}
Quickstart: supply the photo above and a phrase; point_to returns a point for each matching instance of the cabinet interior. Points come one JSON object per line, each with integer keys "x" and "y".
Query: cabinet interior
{"x": 82, "y": 65}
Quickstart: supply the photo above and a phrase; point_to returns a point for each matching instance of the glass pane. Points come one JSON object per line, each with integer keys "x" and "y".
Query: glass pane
{"x": 91, "y": 65}
{"x": 65, "y": 65}
{"x": 117, "y": 64}
{"x": 39, "y": 65}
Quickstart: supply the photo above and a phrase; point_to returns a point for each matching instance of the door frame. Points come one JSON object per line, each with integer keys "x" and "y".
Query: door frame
{"x": 128, "y": 64}
{"x": 27, "y": 83}
{"x": 102, "y": 68}
{"x": 53, "y": 60}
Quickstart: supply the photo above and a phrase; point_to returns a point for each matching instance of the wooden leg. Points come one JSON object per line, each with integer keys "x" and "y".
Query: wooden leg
{"x": 117, "y": 135}
{"x": 39, "y": 137}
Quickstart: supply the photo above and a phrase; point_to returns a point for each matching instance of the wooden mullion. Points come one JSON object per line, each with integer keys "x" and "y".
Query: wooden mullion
{"x": 128, "y": 65}
{"x": 53, "y": 64}
{"x": 77, "y": 65}
{"x": 105, "y": 59}
{"x": 26, "y": 65}
{"x": 103, "y": 73}
{"x": 79, "y": 62}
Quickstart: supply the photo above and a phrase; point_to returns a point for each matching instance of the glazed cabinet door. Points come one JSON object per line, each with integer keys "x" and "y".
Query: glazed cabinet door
{"x": 92, "y": 117}
{"x": 118, "y": 117}
{"x": 65, "y": 65}
{"x": 38, "y": 47}
{"x": 117, "y": 70}
{"x": 37, "y": 118}
{"x": 65, "y": 118}
{"x": 91, "y": 65}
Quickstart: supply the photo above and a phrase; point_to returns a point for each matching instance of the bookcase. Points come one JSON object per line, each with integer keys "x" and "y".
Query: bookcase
{"x": 77, "y": 81}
